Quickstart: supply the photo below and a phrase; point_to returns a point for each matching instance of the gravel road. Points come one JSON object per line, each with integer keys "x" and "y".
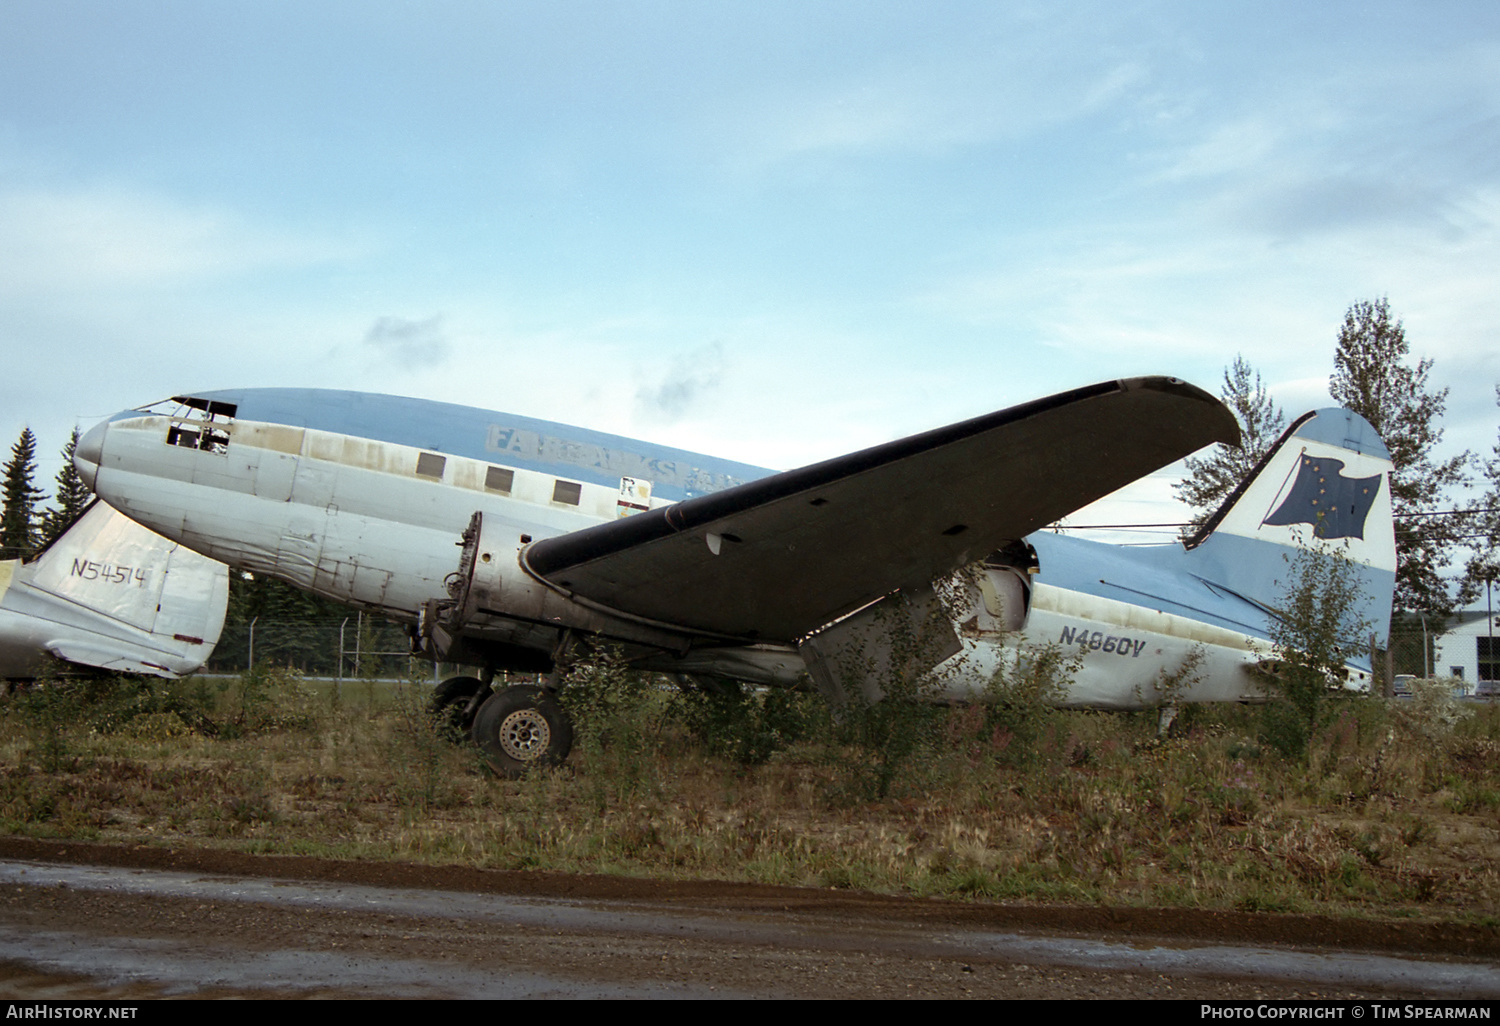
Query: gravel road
{"x": 92, "y": 921}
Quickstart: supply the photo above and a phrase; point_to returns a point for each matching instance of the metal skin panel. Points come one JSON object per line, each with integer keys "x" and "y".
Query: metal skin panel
{"x": 778, "y": 558}
{"x": 1122, "y": 651}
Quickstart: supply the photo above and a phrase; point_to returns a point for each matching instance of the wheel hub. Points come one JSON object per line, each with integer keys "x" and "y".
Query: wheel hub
{"x": 524, "y": 735}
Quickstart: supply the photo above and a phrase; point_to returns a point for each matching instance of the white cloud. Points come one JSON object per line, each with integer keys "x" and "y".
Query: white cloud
{"x": 62, "y": 240}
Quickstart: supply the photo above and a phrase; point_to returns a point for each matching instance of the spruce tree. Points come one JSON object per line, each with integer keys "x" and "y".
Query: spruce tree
{"x": 1484, "y": 564}
{"x": 1213, "y": 476}
{"x": 71, "y": 497}
{"x": 1372, "y": 377}
{"x": 18, "y": 522}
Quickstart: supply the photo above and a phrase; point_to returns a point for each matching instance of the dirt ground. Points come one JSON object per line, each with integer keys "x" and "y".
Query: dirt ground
{"x": 768, "y": 941}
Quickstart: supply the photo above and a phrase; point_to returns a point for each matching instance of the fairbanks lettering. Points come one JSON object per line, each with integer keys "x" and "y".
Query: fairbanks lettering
{"x": 1098, "y": 641}
{"x": 529, "y": 445}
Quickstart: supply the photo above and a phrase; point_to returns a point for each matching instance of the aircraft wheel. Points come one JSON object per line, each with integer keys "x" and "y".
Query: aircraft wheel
{"x": 450, "y": 699}
{"x": 521, "y": 727}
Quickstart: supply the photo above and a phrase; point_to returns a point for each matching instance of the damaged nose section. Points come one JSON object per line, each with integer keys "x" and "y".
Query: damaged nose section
{"x": 90, "y": 453}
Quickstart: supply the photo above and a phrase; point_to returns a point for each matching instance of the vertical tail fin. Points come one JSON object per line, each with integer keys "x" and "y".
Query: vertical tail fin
{"x": 1325, "y": 484}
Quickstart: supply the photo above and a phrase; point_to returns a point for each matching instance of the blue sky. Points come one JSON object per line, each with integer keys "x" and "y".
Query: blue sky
{"x": 772, "y": 232}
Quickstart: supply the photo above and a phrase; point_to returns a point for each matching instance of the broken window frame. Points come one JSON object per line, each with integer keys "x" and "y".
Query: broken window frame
{"x": 198, "y": 424}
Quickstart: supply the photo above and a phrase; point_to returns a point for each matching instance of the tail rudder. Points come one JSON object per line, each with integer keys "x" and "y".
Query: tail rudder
{"x": 1324, "y": 485}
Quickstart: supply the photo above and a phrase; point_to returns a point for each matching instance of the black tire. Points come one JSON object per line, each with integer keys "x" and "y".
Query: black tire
{"x": 522, "y": 727}
{"x": 450, "y": 700}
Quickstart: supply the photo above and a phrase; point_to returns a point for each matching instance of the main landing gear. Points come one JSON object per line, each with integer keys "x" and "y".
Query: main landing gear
{"x": 521, "y": 727}
{"x": 516, "y": 728}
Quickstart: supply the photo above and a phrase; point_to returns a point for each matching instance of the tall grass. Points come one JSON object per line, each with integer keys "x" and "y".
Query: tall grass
{"x": 1394, "y": 811}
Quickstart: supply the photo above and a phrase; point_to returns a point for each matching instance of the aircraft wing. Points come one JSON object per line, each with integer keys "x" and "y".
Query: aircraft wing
{"x": 777, "y": 558}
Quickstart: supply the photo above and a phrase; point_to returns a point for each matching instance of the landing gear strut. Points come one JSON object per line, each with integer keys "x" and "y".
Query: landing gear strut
{"x": 454, "y": 702}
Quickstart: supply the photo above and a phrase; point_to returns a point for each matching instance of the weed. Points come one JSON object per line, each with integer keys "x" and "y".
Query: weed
{"x": 1019, "y": 704}
{"x": 1432, "y": 714}
{"x": 1101, "y": 810}
{"x": 421, "y": 753}
{"x": 1318, "y": 627}
{"x": 262, "y": 698}
{"x": 749, "y": 726}
{"x": 618, "y": 719}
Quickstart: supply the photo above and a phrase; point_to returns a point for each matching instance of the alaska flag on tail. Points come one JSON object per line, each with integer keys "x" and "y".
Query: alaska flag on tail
{"x": 1336, "y": 506}
{"x": 1248, "y": 545}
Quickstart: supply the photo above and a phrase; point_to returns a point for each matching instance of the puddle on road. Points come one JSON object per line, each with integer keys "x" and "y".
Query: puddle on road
{"x": 160, "y": 960}
{"x": 182, "y": 970}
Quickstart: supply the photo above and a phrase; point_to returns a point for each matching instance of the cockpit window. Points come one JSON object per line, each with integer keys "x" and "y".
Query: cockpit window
{"x": 212, "y": 407}
{"x": 196, "y": 423}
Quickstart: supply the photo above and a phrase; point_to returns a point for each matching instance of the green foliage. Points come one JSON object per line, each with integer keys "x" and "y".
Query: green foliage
{"x": 1211, "y": 477}
{"x": 1484, "y": 564}
{"x": 262, "y": 698}
{"x": 49, "y": 709}
{"x": 746, "y": 725}
{"x": 421, "y": 752}
{"x": 19, "y": 519}
{"x": 1102, "y": 812}
{"x": 875, "y": 743}
{"x": 1372, "y": 378}
{"x": 617, "y": 715}
{"x": 71, "y": 495}
{"x": 1020, "y": 702}
{"x": 1168, "y": 686}
{"x": 60, "y": 711}
{"x": 1318, "y": 628}
{"x": 890, "y": 721}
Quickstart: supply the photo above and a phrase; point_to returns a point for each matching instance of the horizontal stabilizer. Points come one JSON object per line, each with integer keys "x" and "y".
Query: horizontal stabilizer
{"x": 110, "y": 594}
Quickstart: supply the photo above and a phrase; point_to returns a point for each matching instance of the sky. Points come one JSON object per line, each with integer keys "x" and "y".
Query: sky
{"x": 774, "y": 232}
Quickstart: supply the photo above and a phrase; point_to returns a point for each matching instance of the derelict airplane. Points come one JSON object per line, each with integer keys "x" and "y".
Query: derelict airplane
{"x": 512, "y": 543}
{"x": 108, "y": 594}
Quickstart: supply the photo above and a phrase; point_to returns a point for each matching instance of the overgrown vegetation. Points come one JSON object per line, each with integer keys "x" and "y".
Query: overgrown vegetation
{"x": 1319, "y": 630}
{"x": 1394, "y": 810}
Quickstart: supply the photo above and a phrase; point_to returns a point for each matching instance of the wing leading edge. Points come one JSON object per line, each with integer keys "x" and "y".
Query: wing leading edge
{"x": 777, "y": 558}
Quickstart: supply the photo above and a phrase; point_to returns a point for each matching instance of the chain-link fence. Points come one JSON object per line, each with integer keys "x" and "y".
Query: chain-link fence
{"x": 348, "y": 648}
{"x": 362, "y": 646}
{"x": 1415, "y": 650}
{"x": 1411, "y": 651}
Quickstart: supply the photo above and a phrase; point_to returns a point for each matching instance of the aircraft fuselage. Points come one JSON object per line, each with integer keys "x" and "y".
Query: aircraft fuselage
{"x": 366, "y": 500}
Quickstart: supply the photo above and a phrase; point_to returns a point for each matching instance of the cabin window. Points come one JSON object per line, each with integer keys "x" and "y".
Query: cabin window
{"x": 567, "y": 491}
{"x": 499, "y": 479}
{"x": 430, "y": 464}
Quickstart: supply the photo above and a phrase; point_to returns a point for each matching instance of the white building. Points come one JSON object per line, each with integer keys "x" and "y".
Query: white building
{"x": 1470, "y": 649}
